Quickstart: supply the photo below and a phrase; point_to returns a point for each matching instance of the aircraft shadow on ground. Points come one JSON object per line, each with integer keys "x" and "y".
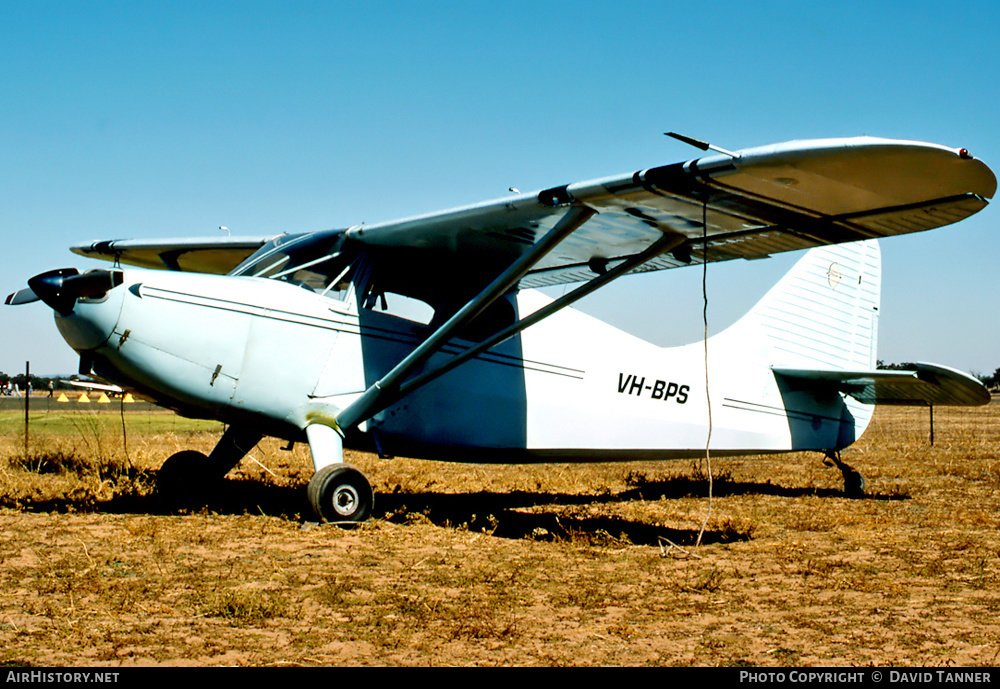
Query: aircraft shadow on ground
{"x": 516, "y": 514}
{"x": 522, "y": 514}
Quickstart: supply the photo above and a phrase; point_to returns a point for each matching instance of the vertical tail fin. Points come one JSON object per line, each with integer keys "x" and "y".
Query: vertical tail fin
{"x": 823, "y": 314}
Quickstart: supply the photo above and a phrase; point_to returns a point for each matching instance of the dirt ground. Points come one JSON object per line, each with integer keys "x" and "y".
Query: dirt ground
{"x": 512, "y": 565}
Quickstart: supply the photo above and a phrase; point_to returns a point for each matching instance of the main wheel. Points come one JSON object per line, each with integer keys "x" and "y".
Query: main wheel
{"x": 184, "y": 477}
{"x": 340, "y": 493}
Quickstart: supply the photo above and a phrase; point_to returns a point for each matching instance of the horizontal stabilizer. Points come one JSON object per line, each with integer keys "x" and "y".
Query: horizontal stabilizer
{"x": 915, "y": 385}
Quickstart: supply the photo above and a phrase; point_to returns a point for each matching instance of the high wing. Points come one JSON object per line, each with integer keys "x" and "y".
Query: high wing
{"x": 919, "y": 384}
{"x": 217, "y": 255}
{"x": 750, "y": 204}
{"x": 755, "y": 203}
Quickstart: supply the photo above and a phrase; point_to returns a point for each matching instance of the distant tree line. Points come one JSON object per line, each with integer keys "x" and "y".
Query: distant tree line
{"x": 37, "y": 382}
{"x": 885, "y": 366}
{"x": 990, "y": 381}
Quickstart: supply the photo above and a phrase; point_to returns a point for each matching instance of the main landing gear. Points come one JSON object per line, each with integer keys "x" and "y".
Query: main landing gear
{"x": 338, "y": 493}
{"x": 854, "y": 482}
{"x": 190, "y": 476}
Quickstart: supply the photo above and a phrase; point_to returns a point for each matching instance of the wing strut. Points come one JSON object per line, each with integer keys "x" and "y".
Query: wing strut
{"x": 373, "y": 398}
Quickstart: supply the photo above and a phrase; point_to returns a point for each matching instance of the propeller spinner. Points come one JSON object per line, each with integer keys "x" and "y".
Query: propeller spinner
{"x": 61, "y": 288}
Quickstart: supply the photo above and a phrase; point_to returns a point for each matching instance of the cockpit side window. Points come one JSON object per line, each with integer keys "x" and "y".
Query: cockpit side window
{"x": 339, "y": 287}
{"x": 314, "y": 262}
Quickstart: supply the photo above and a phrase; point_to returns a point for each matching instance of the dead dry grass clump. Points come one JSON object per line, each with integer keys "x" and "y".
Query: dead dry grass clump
{"x": 248, "y": 607}
{"x": 64, "y": 461}
{"x": 61, "y": 477}
{"x": 679, "y": 484}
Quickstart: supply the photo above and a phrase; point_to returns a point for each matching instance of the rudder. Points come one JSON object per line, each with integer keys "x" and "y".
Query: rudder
{"x": 823, "y": 314}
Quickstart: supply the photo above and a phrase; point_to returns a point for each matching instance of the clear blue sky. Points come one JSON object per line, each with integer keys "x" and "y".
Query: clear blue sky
{"x": 125, "y": 119}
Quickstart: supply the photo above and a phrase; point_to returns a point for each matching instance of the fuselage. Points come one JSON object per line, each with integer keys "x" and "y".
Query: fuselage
{"x": 267, "y": 353}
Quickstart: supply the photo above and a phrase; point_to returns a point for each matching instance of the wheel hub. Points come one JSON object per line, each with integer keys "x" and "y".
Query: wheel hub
{"x": 345, "y": 500}
{"x": 340, "y": 493}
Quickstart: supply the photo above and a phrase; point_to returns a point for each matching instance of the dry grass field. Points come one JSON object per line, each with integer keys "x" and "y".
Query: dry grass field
{"x": 502, "y": 565}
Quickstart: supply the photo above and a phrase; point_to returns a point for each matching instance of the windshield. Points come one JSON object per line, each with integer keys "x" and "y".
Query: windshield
{"x": 313, "y": 261}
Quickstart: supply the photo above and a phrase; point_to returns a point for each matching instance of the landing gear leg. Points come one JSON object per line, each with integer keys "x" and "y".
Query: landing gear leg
{"x": 189, "y": 475}
{"x": 338, "y": 493}
{"x": 854, "y": 482}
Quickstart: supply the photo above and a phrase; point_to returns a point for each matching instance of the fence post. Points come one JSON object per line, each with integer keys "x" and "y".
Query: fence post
{"x": 27, "y": 403}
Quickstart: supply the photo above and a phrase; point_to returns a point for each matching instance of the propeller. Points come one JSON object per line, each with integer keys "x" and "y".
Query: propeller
{"x": 61, "y": 288}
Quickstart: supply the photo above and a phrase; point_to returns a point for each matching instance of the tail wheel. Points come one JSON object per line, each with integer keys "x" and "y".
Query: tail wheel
{"x": 340, "y": 493}
{"x": 854, "y": 482}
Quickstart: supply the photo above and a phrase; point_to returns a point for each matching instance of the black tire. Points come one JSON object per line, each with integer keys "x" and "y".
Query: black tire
{"x": 184, "y": 477}
{"x": 340, "y": 493}
{"x": 854, "y": 484}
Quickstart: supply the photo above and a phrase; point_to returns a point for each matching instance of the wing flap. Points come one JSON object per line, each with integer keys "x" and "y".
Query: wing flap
{"x": 217, "y": 255}
{"x": 919, "y": 384}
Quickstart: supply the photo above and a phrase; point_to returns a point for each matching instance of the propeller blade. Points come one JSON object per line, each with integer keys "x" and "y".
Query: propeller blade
{"x": 21, "y": 296}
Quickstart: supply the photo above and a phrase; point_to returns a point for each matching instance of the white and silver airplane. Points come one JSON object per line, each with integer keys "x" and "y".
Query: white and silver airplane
{"x": 412, "y": 337}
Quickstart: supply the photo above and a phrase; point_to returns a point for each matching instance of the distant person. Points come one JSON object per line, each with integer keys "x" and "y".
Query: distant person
{"x": 52, "y": 388}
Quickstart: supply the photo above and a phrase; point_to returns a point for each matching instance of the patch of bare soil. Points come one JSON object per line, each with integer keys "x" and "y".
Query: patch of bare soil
{"x": 536, "y": 565}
